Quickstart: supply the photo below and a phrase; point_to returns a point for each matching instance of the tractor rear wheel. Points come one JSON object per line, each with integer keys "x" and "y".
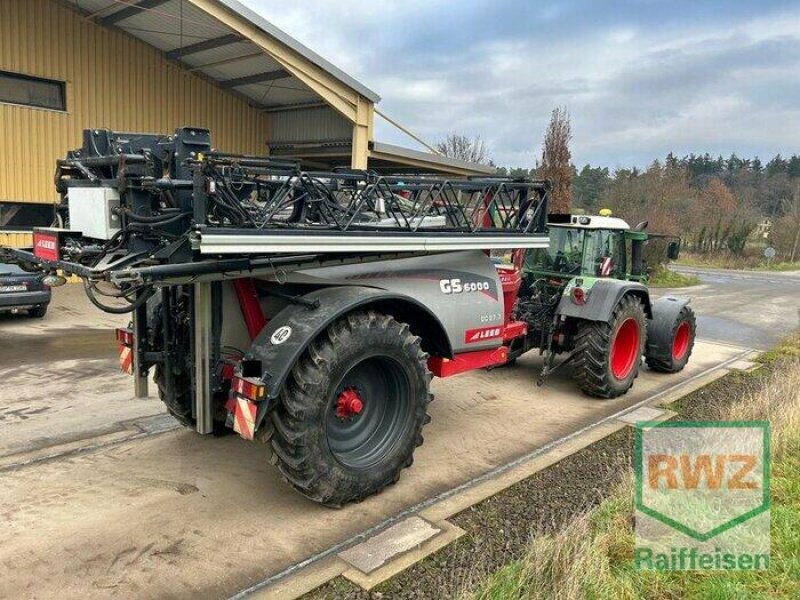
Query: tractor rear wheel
{"x": 681, "y": 336}
{"x": 352, "y": 411}
{"x": 608, "y": 355}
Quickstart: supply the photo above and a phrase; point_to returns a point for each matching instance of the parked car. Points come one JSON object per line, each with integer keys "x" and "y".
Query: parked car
{"x": 21, "y": 290}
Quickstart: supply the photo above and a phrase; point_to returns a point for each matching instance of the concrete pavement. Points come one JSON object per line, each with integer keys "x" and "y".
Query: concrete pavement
{"x": 180, "y": 515}
{"x": 175, "y": 514}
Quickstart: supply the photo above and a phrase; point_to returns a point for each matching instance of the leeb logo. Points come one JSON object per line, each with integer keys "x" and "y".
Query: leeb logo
{"x": 702, "y": 495}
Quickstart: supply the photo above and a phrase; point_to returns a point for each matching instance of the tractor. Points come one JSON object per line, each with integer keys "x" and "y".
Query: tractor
{"x": 585, "y": 296}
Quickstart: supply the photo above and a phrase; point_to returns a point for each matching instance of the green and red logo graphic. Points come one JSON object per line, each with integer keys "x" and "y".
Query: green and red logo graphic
{"x": 703, "y": 487}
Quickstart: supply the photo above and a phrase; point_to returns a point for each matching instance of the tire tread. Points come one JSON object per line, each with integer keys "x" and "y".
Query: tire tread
{"x": 295, "y": 449}
{"x": 593, "y": 347}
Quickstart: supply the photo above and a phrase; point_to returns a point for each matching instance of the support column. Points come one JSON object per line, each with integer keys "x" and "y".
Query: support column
{"x": 140, "y": 375}
{"x": 362, "y": 131}
{"x": 204, "y": 410}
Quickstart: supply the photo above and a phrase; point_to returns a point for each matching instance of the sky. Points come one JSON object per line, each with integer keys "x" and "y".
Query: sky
{"x": 640, "y": 78}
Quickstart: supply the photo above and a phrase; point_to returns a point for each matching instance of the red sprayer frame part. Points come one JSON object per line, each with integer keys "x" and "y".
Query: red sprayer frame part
{"x": 251, "y": 306}
{"x": 511, "y": 281}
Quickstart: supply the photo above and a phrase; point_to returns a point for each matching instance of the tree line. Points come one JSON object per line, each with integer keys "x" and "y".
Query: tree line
{"x": 716, "y": 205}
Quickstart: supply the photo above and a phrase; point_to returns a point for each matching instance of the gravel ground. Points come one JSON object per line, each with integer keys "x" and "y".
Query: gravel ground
{"x": 500, "y": 528}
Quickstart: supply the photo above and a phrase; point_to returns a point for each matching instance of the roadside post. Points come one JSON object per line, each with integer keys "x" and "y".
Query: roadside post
{"x": 769, "y": 253}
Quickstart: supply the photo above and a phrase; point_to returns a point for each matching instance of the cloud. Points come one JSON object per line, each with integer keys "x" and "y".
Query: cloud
{"x": 639, "y": 77}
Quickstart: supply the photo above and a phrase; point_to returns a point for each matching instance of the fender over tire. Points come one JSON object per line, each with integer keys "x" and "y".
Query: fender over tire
{"x": 672, "y": 344}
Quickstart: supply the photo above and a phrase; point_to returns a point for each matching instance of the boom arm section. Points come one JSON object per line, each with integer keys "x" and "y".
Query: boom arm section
{"x": 138, "y": 209}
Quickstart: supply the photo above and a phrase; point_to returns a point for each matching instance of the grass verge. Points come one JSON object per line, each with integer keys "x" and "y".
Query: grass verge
{"x": 592, "y": 555}
{"x": 664, "y": 278}
{"x": 501, "y": 529}
{"x": 744, "y": 263}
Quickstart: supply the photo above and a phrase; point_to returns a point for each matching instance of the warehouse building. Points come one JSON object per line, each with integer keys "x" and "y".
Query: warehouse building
{"x": 154, "y": 65}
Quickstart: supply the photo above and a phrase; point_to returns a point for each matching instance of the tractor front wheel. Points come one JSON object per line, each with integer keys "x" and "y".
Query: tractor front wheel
{"x": 608, "y": 355}
{"x": 351, "y": 413}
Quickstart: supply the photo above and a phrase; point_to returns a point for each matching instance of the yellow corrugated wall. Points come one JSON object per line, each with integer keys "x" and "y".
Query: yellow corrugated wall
{"x": 113, "y": 81}
{"x": 16, "y": 239}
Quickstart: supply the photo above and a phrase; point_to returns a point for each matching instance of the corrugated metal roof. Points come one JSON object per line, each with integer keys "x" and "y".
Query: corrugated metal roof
{"x": 285, "y": 38}
{"x": 249, "y": 66}
{"x": 170, "y": 25}
{"x": 276, "y": 93}
{"x": 170, "y": 20}
{"x": 434, "y": 161}
{"x": 95, "y": 6}
{"x": 222, "y": 53}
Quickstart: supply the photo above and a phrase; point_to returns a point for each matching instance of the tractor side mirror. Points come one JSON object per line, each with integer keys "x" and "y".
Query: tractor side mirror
{"x": 673, "y": 250}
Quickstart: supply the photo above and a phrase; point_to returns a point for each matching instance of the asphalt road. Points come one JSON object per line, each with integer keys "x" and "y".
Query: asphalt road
{"x": 748, "y": 308}
{"x": 101, "y": 495}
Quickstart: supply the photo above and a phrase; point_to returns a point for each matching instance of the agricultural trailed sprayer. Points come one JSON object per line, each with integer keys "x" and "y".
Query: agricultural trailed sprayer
{"x": 311, "y": 309}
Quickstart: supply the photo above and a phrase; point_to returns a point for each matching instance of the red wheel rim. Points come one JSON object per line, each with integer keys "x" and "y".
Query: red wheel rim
{"x": 680, "y": 343}
{"x": 625, "y": 349}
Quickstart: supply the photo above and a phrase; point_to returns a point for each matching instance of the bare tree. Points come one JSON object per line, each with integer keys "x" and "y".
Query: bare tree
{"x": 792, "y": 218}
{"x": 556, "y": 164}
{"x": 473, "y": 150}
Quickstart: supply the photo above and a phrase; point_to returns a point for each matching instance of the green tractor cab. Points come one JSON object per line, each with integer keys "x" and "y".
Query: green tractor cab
{"x": 586, "y": 296}
{"x": 590, "y": 247}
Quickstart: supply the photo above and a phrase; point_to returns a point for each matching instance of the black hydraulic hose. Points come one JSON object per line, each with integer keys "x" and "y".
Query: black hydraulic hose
{"x": 111, "y": 245}
{"x": 119, "y": 294}
{"x": 169, "y": 217}
{"x": 170, "y": 198}
{"x": 116, "y": 310}
{"x": 151, "y": 226}
{"x": 232, "y": 202}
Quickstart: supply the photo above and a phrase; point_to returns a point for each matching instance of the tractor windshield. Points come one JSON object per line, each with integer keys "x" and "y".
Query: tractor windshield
{"x": 564, "y": 255}
{"x": 604, "y": 254}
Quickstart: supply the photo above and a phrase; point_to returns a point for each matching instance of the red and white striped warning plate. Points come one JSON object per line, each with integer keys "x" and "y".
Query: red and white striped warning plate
{"x": 606, "y": 266}
{"x": 125, "y": 359}
{"x": 244, "y": 422}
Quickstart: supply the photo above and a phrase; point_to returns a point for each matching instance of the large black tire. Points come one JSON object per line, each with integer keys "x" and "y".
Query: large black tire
{"x": 333, "y": 459}
{"x": 605, "y": 366}
{"x": 682, "y": 335}
{"x": 179, "y": 403}
{"x": 38, "y": 312}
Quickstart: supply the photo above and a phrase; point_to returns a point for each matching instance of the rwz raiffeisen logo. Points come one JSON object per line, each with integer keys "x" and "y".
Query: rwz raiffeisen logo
{"x": 702, "y": 495}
